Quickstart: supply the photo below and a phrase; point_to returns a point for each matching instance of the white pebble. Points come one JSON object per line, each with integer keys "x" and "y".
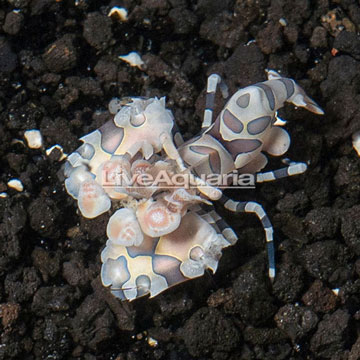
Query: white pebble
{"x": 16, "y": 184}
{"x": 33, "y": 139}
{"x": 121, "y": 12}
{"x": 59, "y": 147}
{"x": 283, "y": 22}
{"x": 133, "y": 58}
{"x": 336, "y": 291}
{"x": 152, "y": 342}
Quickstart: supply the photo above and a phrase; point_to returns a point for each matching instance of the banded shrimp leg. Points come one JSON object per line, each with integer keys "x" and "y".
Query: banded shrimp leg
{"x": 255, "y": 208}
{"x": 213, "y": 81}
{"x": 292, "y": 168}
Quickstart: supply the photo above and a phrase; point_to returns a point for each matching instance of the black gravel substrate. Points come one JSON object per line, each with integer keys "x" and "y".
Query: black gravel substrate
{"x": 59, "y": 68}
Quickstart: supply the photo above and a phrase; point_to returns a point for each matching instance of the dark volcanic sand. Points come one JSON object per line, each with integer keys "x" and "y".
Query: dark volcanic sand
{"x": 60, "y": 68}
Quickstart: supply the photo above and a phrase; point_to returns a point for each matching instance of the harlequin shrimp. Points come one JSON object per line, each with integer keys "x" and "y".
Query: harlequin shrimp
{"x": 162, "y": 234}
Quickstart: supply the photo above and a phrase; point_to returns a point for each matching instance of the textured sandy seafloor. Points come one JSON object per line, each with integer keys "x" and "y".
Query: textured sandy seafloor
{"x": 59, "y": 69}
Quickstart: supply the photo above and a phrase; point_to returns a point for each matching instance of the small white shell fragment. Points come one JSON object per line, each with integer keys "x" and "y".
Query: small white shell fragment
{"x": 33, "y": 139}
{"x": 133, "y": 59}
{"x": 92, "y": 199}
{"x": 124, "y": 229}
{"x": 356, "y": 142}
{"x": 58, "y": 147}
{"x": 17, "y": 141}
{"x": 336, "y": 291}
{"x": 152, "y": 342}
{"x": 3, "y": 195}
{"x": 121, "y": 12}
{"x": 283, "y": 22}
{"x": 16, "y": 184}
{"x": 253, "y": 41}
